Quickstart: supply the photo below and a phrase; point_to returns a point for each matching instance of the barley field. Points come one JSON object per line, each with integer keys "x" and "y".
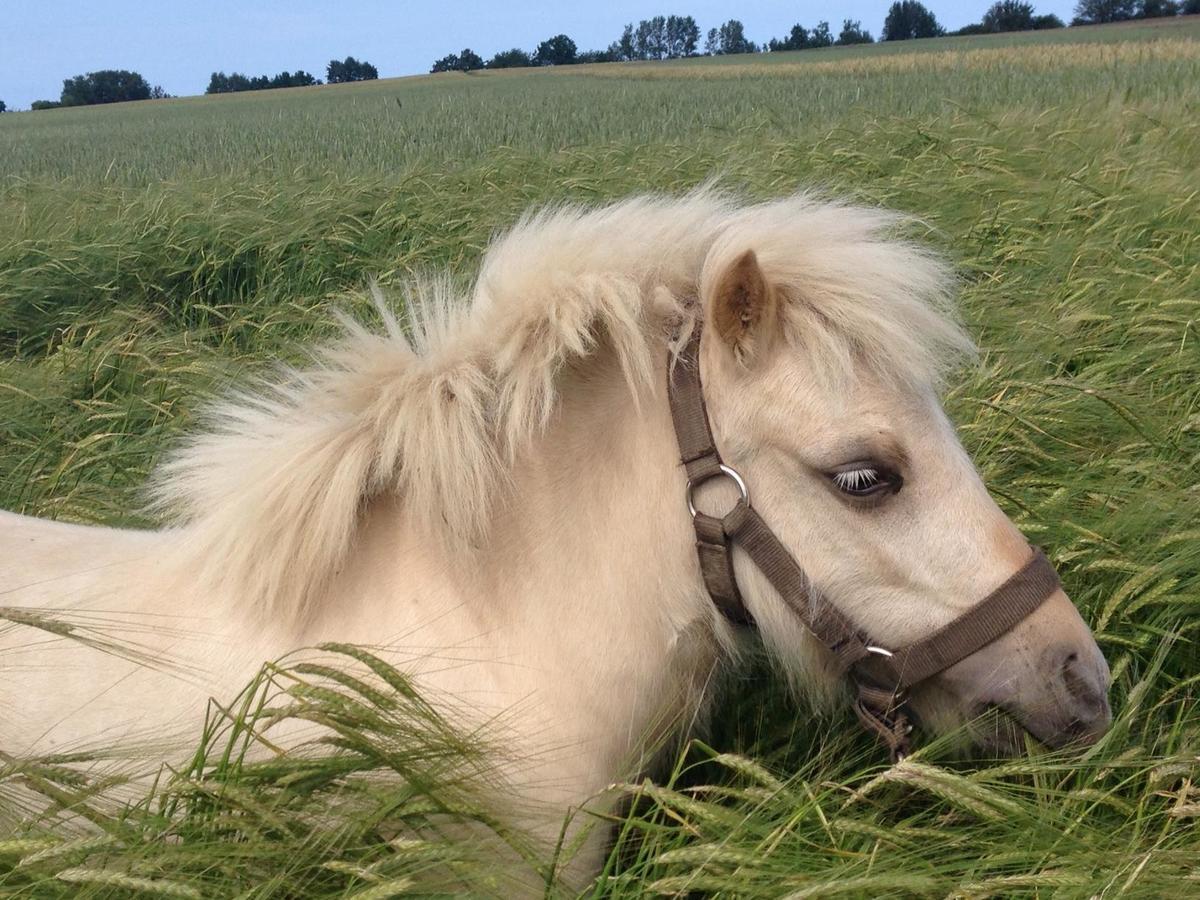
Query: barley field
{"x": 151, "y": 254}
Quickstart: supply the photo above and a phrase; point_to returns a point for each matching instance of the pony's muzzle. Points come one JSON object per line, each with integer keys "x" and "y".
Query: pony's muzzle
{"x": 1061, "y": 692}
{"x": 1047, "y": 674}
{"x": 1082, "y": 687}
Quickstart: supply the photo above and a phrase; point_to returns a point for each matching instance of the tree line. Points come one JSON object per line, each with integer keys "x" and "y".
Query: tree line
{"x": 338, "y": 71}
{"x": 220, "y": 83}
{"x": 659, "y": 37}
{"x": 1094, "y": 12}
{"x": 106, "y": 86}
{"x": 120, "y": 86}
{"x": 673, "y": 37}
{"x": 908, "y": 19}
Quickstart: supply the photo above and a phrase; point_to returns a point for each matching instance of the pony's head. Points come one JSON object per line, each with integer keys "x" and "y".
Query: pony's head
{"x": 821, "y": 365}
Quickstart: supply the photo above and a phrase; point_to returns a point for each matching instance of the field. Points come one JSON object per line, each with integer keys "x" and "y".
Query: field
{"x": 152, "y": 253}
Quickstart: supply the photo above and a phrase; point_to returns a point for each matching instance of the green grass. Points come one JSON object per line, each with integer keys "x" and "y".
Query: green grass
{"x": 152, "y": 253}
{"x": 415, "y": 125}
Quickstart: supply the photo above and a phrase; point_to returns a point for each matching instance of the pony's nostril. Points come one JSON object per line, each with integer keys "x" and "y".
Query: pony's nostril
{"x": 1088, "y": 692}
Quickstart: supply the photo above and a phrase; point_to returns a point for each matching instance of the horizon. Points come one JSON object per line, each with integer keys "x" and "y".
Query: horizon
{"x": 181, "y": 48}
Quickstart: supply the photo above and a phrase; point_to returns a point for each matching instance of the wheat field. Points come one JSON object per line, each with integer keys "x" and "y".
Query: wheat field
{"x": 153, "y": 253}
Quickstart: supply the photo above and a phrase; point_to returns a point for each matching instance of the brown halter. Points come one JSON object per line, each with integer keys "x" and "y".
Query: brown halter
{"x": 882, "y": 678}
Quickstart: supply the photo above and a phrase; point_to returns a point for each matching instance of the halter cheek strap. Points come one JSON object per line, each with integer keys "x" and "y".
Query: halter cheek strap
{"x": 881, "y": 677}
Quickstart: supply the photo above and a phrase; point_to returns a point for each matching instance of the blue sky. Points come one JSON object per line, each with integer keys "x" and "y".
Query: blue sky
{"x": 178, "y": 45}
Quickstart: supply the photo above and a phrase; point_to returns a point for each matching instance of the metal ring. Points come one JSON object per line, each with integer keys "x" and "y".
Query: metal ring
{"x": 722, "y": 470}
{"x": 879, "y": 651}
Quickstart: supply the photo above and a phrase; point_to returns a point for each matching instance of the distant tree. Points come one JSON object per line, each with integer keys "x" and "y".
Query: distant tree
{"x": 1015, "y": 15}
{"x": 349, "y": 69}
{"x": 1008, "y": 15}
{"x": 3, "y": 106}
{"x": 622, "y": 48}
{"x": 298, "y": 79}
{"x": 105, "y": 86}
{"x": 598, "y": 56}
{"x": 1096, "y": 12}
{"x": 908, "y": 19}
{"x": 1157, "y": 9}
{"x": 682, "y": 37}
{"x": 220, "y": 83}
{"x": 662, "y": 37}
{"x": 797, "y": 39}
{"x": 158, "y": 93}
{"x": 44, "y": 104}
{"x": 1190, "y": 8}
{"x": 821, "y": 36}
{"x": 853, "y": 33}
{"x": 559, "y": 50}
{"x": 469, "y": 60}
{"x": 650, "y": 38}
{"x": 448, "y": 63}
{"x": 730, "y": 38}
{"x": 516, "y": 58}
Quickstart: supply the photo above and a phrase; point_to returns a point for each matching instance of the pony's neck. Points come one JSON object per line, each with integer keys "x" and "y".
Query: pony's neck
{"x": 598, "y": 508}
{"x": 584, "y": 607}
{"x": 594, "y": 546}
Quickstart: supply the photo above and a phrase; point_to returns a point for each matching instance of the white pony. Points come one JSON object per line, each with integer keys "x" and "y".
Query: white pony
{"x": 497, "y": 482}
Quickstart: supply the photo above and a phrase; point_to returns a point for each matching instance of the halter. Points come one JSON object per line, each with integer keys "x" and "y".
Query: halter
{"x": 882, "y": 677}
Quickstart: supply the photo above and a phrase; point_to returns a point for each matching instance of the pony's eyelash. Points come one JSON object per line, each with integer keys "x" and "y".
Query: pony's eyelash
{"x": 856, "y": 479}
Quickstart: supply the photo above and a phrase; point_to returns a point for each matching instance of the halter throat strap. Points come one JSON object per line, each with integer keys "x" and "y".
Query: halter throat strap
{"x": 881, "y": 676}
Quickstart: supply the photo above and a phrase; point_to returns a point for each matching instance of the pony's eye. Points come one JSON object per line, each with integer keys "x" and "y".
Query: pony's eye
{"x": 864, "y": 480}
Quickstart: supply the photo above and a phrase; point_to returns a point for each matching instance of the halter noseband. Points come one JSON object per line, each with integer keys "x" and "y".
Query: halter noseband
{"x": 882, "y": 677}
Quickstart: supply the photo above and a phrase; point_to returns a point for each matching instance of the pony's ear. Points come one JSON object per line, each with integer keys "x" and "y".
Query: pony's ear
{"x": 742, "y": 306}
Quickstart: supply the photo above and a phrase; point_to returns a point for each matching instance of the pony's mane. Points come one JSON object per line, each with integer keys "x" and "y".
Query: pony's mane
{"x": 434, "y": 410}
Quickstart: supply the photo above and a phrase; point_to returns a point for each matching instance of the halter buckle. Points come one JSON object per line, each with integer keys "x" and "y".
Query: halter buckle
{"x": 899, "y": 693}
{"x": 729, "y": 472}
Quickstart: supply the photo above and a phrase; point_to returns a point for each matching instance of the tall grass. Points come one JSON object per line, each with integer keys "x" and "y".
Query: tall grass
{"x": 417, "y": 125}
{"x": 361, "y": 811}
{"x": 189, "y": 243}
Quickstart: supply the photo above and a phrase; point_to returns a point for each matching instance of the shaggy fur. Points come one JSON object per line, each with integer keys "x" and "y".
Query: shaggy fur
{"x": 271, "y": 494}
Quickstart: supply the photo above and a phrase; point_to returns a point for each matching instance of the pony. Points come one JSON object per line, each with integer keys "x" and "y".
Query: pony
{"x": 494, "y": 479}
